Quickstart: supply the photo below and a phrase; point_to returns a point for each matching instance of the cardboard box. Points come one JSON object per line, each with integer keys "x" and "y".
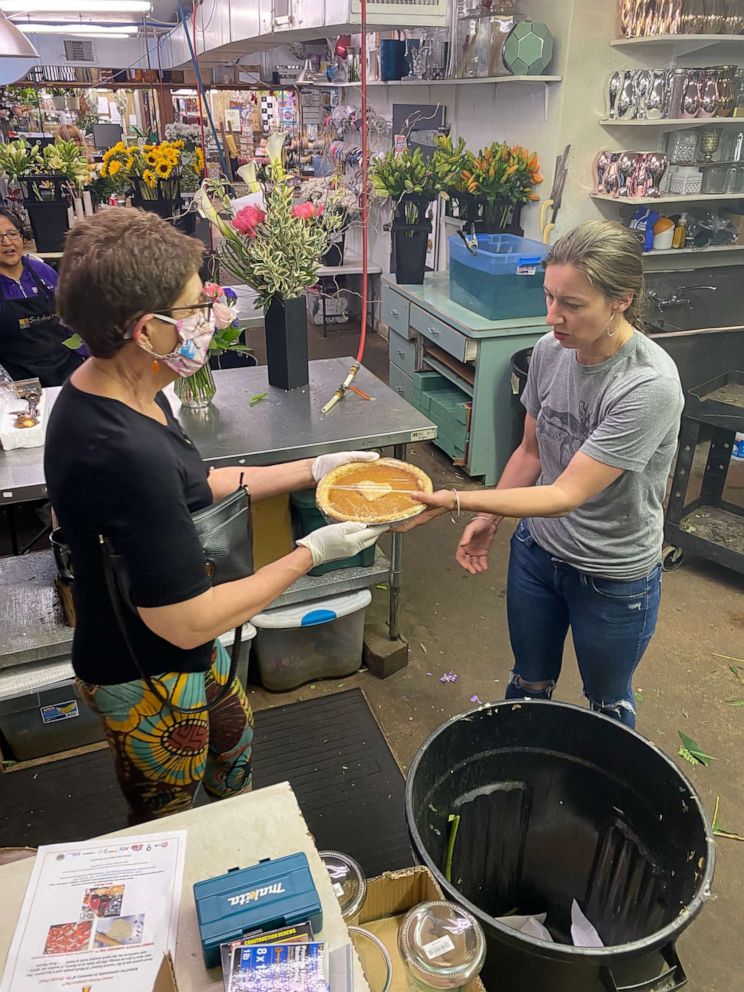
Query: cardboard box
{"x": 389, "y": 897}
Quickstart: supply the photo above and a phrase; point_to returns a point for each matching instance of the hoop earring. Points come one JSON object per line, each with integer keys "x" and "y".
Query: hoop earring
{"x": 155, "y": 366}
{"x": 608, "y": 332}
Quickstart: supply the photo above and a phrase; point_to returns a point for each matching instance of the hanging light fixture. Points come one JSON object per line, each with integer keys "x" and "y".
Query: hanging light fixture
{"x": 17, "y": 54}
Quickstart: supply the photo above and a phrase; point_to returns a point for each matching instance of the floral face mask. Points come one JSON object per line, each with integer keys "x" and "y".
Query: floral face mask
{"x": 194, "y": 334}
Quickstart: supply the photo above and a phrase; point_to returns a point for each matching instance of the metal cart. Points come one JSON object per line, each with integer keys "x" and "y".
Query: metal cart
{"x": 708, "y": 526}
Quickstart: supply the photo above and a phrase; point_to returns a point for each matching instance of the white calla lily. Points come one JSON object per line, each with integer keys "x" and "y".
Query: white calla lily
{"x": 207, "y": 210}
{"x": 274, "y": 145}
{"x": 248, "y": 174}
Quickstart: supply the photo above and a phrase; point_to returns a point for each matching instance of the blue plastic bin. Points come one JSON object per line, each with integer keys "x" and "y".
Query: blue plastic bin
{"x": 504, "y": 279}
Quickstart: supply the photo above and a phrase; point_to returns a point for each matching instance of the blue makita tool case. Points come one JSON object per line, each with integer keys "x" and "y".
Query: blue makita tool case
{"x": 268, "y": 895}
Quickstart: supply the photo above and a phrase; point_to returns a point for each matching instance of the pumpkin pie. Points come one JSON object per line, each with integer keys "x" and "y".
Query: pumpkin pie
{"x": 372, "y": 492}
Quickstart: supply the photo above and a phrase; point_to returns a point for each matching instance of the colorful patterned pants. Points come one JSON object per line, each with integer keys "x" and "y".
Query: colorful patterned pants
{"x": 162, "y": 755}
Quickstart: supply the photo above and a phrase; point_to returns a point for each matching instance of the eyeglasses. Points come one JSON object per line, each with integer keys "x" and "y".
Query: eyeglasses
{"x": 11, "y": 236}
{"x": 207, "y": 306}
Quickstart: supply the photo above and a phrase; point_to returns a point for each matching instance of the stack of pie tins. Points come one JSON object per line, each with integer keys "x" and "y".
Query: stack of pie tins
{"x": 372, "y": 493}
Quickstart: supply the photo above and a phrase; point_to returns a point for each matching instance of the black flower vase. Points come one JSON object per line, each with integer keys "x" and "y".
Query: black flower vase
{"x": 286, "y": 342}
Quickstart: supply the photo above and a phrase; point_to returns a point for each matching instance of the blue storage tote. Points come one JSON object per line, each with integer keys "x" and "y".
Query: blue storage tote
{"x": 504, "y": 279}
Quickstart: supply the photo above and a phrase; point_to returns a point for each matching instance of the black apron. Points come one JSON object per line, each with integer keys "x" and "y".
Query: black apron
{"x": 31, "y": 337}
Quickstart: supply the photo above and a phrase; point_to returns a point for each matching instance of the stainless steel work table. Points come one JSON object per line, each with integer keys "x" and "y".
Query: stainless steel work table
{"x": 283, "y": 427}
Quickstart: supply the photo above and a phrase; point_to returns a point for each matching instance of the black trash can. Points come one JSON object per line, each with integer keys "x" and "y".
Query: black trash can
{"x": 520, "y": 365}
{"x": 556, "y": 803}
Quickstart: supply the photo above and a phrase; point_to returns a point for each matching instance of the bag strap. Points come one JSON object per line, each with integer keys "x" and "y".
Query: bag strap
{"x": 118, "y": 603}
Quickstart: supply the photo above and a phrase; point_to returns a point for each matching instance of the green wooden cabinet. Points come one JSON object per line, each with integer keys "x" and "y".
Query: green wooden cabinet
{"x": 467, "y": 389}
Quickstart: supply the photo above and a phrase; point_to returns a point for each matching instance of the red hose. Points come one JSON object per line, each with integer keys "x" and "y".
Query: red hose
{"x": 365, "y": 172}
{"x": 201, "y": 111}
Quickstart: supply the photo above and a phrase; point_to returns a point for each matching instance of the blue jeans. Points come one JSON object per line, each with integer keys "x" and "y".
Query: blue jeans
{"x": 611, "y": 624}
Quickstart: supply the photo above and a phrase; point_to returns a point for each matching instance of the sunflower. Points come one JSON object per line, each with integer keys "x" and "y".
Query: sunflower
{"x": 163, "y": 170}
{"x": 114, "y": 167}
{"x": 149, "y": 177}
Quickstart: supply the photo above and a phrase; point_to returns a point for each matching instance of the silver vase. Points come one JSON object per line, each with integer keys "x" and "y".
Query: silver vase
{"x": 691, "y": 96}
{"x": 626, "y": 99}
{"x": 726, "y": 90}
{"x": 613, "y": 89}
{"x": 708, "y": 90}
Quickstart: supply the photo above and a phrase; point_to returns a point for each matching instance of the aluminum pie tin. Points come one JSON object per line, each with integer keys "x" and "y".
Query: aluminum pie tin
{"x": 442, "y": 945}
{"x": 348, "y": 881}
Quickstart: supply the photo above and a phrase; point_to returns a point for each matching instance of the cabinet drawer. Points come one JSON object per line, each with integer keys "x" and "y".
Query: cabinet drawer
{"x": 402, "y": 352}
{"x": 466, "y": 349}
{"x": 395, "y": 311}
{"x": 401, "y": 383}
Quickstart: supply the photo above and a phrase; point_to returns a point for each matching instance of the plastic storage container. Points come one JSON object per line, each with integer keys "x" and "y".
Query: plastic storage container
{"x": 574, "y": 806}
{"x": 504, "y": 279}
{"x": 318, "y": 640}
{"x": 442, "y": 945}
{"x": 39, "y": 718}
{"x": 307, "y": 518}
{"x": 246, "y": 641}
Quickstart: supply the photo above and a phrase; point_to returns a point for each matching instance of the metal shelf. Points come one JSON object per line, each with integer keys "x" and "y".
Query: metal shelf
{"x": 675, "y": 123}
{"x": 669, "y": 198}
{"x": 674, "y": 44}
{"x": 712, "y": 250}
{"x": 479, "y": 80}
{"x": 336, "y": 583}
{"x": 447, "y": 372}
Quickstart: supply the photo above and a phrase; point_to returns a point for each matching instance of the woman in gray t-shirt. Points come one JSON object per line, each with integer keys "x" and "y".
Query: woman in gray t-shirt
{"x": 603, "y": 405}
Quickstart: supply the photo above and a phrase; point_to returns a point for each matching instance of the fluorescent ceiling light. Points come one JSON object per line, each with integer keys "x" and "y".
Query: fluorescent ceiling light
{"x": 73, "y": 27}
{"x": 81, "y": 6}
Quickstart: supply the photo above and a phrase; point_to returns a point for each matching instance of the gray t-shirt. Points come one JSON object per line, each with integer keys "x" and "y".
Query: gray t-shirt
{"x": 624, "y": 412}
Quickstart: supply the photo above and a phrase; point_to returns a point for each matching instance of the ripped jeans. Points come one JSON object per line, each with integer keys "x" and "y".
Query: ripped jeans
{"x": 611, "y": 626}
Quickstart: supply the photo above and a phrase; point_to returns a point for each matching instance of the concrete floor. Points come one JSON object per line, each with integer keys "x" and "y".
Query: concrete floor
{"x": 457, "y": 622}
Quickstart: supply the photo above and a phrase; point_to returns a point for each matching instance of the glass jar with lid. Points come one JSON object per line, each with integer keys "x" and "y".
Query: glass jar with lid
{"x": 348, "y": 881}
{"x": 442, "y": 946}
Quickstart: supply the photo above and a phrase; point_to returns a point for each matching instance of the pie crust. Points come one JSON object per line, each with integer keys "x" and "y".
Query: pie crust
{"x": 377, "y": 492}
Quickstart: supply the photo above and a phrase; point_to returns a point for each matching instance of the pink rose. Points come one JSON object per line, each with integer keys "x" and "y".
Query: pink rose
{"x": 248, "y": 219}
{"x": 212, "y": 290}
{"x": 223, "y": 315}
{"x": 305, "y": 211}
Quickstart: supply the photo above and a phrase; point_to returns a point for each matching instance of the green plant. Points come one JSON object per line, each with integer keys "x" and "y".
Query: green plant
{"x": 279, "y": 254}
{"x": 449, "y": 162}
{"x": 57, "y": 91}
{"x": 27, "y": 95}
{"x": 503, "y": 173}
{"x": 394, "y": 175}
{"x": 18, "y": 158}
{"x": 67, "y": 159}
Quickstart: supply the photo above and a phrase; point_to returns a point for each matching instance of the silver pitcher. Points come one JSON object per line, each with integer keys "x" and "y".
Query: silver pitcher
{"x": 626, "y": 99}
{"x": 708, "y": 89}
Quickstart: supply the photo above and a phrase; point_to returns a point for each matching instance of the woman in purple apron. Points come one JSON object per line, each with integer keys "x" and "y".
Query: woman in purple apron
{"x": 31, "y": 335}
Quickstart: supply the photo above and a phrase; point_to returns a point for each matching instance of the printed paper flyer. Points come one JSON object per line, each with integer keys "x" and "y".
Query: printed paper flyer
{"x": 98, "y": 915}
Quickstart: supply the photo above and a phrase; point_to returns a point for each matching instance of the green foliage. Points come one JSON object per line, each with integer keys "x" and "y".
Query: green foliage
{"x": 393, "y": 175}
{"x": 282, "y": 256}
{"x": 18, "y": 158}
{"x": 66, "y": 158}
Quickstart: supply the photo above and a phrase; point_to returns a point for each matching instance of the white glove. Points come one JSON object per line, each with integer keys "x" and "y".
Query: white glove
{"x": 324, "y": 464}
{"x": 340, "y": 541}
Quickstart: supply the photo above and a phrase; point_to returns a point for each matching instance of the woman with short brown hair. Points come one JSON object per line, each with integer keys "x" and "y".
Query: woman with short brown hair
{"x": 119, "y": 466}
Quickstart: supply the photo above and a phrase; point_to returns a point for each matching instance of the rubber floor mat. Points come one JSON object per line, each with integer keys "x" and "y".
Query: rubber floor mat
{"x": 330, "y": 749}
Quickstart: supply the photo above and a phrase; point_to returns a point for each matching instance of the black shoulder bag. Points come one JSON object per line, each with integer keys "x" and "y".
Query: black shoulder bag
{"x": 224, "y": 531}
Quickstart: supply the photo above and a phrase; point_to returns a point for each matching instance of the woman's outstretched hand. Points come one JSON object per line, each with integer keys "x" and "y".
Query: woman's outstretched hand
{"x": 442, "y": 501}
